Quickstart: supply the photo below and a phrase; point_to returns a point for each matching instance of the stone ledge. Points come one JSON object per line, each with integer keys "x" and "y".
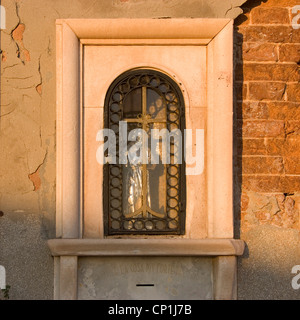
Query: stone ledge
{"x": 146, "y": 247}
{"x": 176, "y": 28}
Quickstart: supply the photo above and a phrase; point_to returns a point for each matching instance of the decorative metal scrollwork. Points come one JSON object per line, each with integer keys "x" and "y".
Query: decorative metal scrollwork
{"x": 144, "y": 198}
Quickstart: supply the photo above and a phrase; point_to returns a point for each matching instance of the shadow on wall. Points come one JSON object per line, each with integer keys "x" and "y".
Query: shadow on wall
{"x": 239, "y": 94}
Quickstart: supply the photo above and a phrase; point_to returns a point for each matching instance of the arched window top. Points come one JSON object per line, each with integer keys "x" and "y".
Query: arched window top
{"x": 127, "y": 90}
{"x": 145, "y": 197}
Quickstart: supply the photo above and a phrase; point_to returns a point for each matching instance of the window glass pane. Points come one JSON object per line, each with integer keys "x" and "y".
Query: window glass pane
{"x": 132, "y": 104}
{"x": 141, "y": 197}
{"x": 155, "y": 105}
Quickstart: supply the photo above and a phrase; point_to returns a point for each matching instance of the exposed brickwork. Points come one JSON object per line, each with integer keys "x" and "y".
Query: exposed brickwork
{"x": 271, "y": 34}
{"x": 260, "y": 51}
{"x": 266, "y": 91}
{"x": 17, "y": 36}
{"x": 289, "y": 53}
{"x": 36, "y": 180}
{"x": 261, "y": 129}
{"x": 268, "y": 72}
{"x": 273, "y": 15}
{"x": 267, "y": 84}
{"x": 293, "y": 92}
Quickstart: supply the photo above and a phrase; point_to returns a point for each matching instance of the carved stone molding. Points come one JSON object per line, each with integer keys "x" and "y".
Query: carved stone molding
{"x": 216, "y": 37}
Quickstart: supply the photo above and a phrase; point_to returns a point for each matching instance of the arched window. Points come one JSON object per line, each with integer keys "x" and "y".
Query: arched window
{"x": 144, "y": 192}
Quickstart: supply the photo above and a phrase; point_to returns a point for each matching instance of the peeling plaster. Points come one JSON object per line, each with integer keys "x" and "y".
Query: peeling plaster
{"x": 39, "y": 86}
{"x": 35, "y": 176}
{"x": 235, "y": 9}
{"x": 35, "y": 179}
{"x": 17, "y": 36}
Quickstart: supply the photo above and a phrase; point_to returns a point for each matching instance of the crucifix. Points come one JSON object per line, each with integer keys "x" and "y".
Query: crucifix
{"x": 144, "y": 120}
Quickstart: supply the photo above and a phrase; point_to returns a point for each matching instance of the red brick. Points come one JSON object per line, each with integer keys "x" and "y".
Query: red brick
{"x": 292, "y": 146}
{"x": 253, "y": 110}
{"x": 288, "y": 147}
{"x": 270, "y": 72}
{"x": 289, "y": 52}
{"x": 262, "y": 128}
{"x": 262, "y": 165}
{"x": 281, "y": 110}
{"x": 270, "y": 15}
{"x": 293, "y": 92}
{"x": 259, "y": 52}
{"x": 274, "y": 146}
{"x": 263, "y": 146}
{"x": 244, "y": 202}
{"x": 272, "y": 110}
{"x": 266, "y": 90}
{"x": 283, "y": 184}
{"x": 273, "y": 3}
{"x": 292, "y": 127}
{"x": 275, "y": 34}
{"x": 292, "y": 164}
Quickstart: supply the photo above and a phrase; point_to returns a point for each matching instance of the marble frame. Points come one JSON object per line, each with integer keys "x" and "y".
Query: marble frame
{"x": 217, "y": 35}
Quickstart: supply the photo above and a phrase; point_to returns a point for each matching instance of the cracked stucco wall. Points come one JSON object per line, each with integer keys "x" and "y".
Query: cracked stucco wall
{"x": 27, "y": 123}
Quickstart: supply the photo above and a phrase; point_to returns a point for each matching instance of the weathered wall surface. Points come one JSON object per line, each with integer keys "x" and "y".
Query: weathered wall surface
{"x": 267, "y": 184}
{"x": 267, "y": 143}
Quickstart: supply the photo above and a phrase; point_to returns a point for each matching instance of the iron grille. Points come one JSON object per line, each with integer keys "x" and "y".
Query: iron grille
{"x": 141, "y": 198}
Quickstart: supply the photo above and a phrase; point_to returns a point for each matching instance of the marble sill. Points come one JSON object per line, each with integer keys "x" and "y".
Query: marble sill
{"x": 146, "y": 247}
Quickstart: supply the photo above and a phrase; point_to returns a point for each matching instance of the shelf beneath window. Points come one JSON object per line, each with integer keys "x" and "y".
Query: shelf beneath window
{"x": 146, "y": 247}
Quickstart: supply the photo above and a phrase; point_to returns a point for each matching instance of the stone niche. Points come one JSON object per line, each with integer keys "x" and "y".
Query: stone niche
{"x": 201, "y": 264}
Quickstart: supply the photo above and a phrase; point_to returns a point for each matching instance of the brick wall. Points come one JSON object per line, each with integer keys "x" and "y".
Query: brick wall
{"x": 267, "y": 76}
{"x": 267, "y": 153}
